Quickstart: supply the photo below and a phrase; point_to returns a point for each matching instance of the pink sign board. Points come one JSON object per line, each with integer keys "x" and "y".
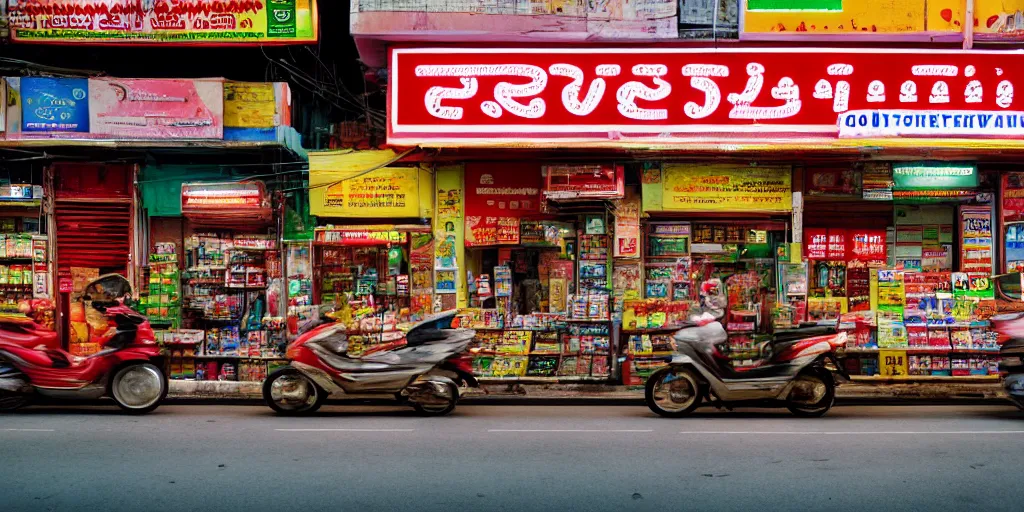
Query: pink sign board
{"x": 156, "y": 108}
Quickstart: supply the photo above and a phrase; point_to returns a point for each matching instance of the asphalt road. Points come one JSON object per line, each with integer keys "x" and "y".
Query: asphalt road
{"x": 511, "y": 458}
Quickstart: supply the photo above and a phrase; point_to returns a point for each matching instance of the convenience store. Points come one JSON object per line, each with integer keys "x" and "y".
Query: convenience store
{"x": 789, "y": 141}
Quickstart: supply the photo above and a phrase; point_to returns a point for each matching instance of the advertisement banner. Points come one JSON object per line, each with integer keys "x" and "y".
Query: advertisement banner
{"x": 838, "y": 19}
{"x": 934, "y": 176}
{"x": 726, "y": 188}
{"x": 444, "y": 96}
{"x": 583, "y": 181}
{"x": 627, "y": 227}
{"x": 867, "y": 245}
{"x": 448, "y": 235}
{"x": 156, "y": 108}
{"x": 497, "y": 196}
{"x": 54, "y": 104}
{"x": 391, "y": 192}
{"x": 174, "y": 22}
{"x": 250, "y": 105}
{"x": 976, "y": 239}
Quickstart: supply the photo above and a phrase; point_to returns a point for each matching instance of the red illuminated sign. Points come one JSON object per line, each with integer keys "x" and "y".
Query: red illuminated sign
{"x": 616, "y": 95}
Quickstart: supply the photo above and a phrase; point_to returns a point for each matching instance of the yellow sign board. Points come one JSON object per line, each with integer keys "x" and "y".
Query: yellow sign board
{"x": 387, "y": 192}
{"x": 726, "y": 188}
{"x": 802, "y": 18}
{"x": 250, "y": 105}
{"x": 892, "y": 363}
{"x": 341, "y": 187}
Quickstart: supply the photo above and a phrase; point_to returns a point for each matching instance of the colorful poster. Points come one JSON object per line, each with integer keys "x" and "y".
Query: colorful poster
{"x": 179, "y": 22}
{"x": 816, "y": 243}
{"x": 497, "y": 196}
{"x": 835, "y": 19}
{"x": 391, "y": 192}
{"x": 54, "y": 104}
{"x": 834, "y": 183}
{"x": 867, "y": 245}
{"x": 627, "y": 227}
{"x": 1012, "y": 194}
{"x": 156, "y": 108}
{"x": 726, "y": 188}
{"x": 999, "y": 20}
{"x": 448, "y": 234}
{"x": 976, "y": 239}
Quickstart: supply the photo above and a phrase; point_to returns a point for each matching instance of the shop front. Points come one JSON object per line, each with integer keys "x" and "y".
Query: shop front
{"x": 371, "y": 255}
{"x": 903, "y": 253}
{"x": 859, "y": 189}
{"x": 538, "y": 269}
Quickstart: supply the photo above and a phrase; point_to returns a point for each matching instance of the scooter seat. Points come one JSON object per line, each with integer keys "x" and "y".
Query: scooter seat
{"x": 802, "y": 332}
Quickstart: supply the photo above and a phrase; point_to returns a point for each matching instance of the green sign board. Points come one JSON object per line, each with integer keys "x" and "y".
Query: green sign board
{"x": 934, "y": 176}
{"x": 794, "y": 5}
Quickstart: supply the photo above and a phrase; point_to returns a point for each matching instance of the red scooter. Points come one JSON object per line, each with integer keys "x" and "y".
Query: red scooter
{"x": 124, "y": 369}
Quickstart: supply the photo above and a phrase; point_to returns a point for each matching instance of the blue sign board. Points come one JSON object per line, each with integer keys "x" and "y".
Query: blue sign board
{"x": 55, "y": 104}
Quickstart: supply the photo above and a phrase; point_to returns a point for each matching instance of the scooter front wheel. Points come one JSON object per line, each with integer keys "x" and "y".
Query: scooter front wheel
{"x": 673, "y": 392}
{"x": 288, "y": 391}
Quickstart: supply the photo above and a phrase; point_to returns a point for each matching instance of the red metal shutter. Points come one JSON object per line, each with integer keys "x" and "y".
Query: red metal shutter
{"x": 93, "y": 234}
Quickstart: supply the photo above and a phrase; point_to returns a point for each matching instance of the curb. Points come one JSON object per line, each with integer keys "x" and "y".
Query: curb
{"x": 602, "y": 402}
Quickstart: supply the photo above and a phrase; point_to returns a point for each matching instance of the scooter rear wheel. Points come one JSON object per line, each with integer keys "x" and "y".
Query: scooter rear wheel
{"x": 820, "y": 383}
{"x": 13, "y": 394}
{"x": 673, "y": 392}
{"x": 138, "y": 388}
{"x": 10, "y": 401}
{"x": 451, "y": 398}
{"x": 287, "y": 391}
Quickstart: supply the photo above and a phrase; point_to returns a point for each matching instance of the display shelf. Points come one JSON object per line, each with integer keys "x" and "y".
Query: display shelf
{"x": 653, "y": 330}
{"x": 540, "y": 380}
{"x": 923, "y": 350}
{"x": 15, "y": 258}
{"x": 229, "y": 356}
{"x": 929, "y": 378}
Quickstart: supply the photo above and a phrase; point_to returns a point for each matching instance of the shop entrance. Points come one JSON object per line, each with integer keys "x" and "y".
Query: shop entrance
{"x": 94, "y": 221}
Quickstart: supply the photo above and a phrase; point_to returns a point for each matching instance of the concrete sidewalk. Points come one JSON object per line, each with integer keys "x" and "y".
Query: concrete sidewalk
{"x": 854, "y": 392}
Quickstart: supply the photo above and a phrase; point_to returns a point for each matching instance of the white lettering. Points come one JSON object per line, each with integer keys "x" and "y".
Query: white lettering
{"x": 1004, "y": 94}
{"x": 571, "y": 92}
{"x": 973, "y": 92}
{"x": 504, "y": 92}
{"x": 876, "y": 92}
{"x": 631, "y": 91}
{"x": 908, "y": 92}
{"x": 786, "y": 90}
{"x": 436, "y": 94}
{"x": 700, "y": 79}
{"x": 940, "y": 93}
{"x": 935, "y": 70}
